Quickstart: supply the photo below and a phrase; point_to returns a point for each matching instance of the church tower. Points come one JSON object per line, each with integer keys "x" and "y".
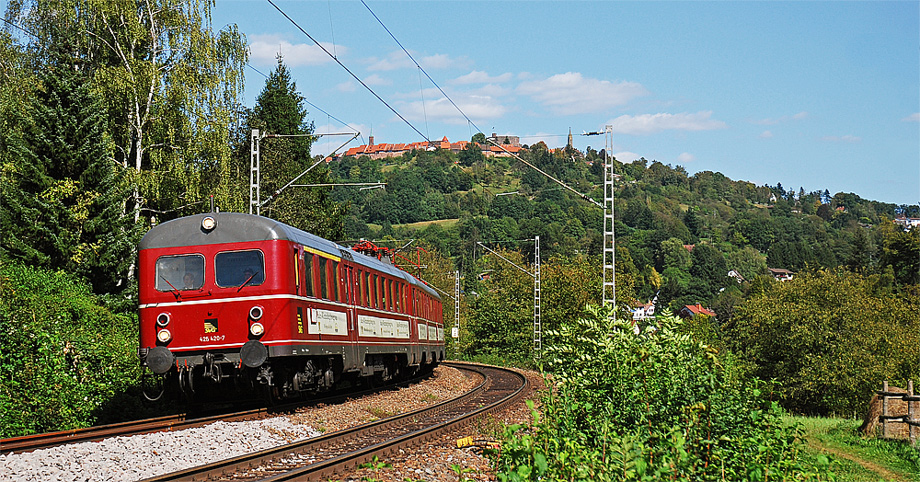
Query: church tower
{"x": 569, "y": 145}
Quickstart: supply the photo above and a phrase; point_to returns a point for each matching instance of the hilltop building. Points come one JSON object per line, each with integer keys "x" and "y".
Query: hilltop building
{"x": 380, "y": 151}
{"x": 504, "y": 140}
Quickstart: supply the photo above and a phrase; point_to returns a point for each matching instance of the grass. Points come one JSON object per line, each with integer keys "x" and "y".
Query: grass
{"x": 857, "y": 458}
{"x": 422, "y": 224}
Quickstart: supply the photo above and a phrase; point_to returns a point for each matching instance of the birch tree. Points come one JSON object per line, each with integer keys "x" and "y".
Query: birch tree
{"x": 171, "y": 84}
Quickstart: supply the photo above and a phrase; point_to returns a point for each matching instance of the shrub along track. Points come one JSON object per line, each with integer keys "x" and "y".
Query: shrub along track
{"x": 322, "y": 457}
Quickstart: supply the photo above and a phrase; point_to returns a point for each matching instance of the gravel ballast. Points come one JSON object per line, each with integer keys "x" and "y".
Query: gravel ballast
{"x": 141, "y": 456}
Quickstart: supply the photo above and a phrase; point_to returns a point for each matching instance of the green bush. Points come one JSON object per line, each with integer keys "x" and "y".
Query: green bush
{"x": 829, "y": 338}
{"x": 65, "y": 361}
{"x": 652, "y": 406}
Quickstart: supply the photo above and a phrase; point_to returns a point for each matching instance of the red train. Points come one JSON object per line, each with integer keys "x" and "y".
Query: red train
{"x": 232, "y": 302}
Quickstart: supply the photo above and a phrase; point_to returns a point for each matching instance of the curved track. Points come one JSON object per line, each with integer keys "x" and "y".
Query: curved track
{"x": 167, "y": 423}
{"x": 322, "y": 457}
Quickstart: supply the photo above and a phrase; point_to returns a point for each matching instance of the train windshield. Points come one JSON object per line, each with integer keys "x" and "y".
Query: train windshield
{"x": 234, "y": 268}
{"x": 180, "y": 273}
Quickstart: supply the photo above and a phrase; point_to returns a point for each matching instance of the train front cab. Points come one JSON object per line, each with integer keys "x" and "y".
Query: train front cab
{"x": 206, "y": 310}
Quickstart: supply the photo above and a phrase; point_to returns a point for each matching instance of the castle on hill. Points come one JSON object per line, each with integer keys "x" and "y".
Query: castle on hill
{"x": 510, "y": 145}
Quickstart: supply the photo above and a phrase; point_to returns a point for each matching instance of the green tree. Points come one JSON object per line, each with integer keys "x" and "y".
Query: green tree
{"x": 472, "y": 153}
{"x": 709, "y": 270}
{"x": 673, "y": 254}
{"x": 167, "y": 87}
{"x": 501, "y": 311}
{"x": 827, "y": 338}
{"x": 62, "y": 197}
{"x": 170, "y": 84}
{"x": 901, "y": 251}
{"x": 279, "y": 111}
{"x": 748, "y": 262}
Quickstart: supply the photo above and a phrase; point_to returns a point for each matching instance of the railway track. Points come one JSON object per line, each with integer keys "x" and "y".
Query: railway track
{"x": 168, "y": 423}
{"x": 320, "y": 458}
{"x": 28, "y": 443}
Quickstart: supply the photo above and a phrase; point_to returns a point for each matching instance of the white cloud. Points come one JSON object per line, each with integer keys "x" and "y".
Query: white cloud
{"x": 845, "y": 139}
{"x": 398, "y": 59}
{"x": 480, "y": 77}
{"x": 766, "y": 135}
{"x": 477, "y": 108}
{"x": 347, "y": 86}
{"x": 915, "y": 117}
{"x": 571, "y": 93}
{"x": 769, "y": 121}
{"x": 264, "y": 48}
{"x": 685, "y": 157}
{"x": 626, "y": 156}
{"x": 652, "y": 123}
{"x": 492, "y": 90}
{"x": 375, "y": 79}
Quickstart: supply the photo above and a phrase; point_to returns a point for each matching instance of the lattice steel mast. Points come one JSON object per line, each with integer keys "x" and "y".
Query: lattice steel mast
{"x": 610, "y": 288}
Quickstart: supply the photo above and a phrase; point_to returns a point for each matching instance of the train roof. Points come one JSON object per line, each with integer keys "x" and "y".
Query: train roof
{"x": 243, "y": 228}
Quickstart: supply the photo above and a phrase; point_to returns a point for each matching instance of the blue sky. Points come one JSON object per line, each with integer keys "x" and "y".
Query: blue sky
{"x": 820, "y": 95}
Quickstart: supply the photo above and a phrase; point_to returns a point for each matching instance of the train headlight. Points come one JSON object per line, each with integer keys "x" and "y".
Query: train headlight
{"x": 255, "y": 313}
{"x": 208, "y": 223}
{"x": 164, "y": 336}
{"x": 163, "y": 319}
{"x": 256, "y": 329}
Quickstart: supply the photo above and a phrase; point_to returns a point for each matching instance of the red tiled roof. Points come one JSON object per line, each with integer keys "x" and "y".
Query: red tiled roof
{"x": 444, "y": 143}
{"x": 698, "y": 309}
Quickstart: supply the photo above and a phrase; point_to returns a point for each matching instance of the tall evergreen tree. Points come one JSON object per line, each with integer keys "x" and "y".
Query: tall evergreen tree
{"x": 63, "y": 199}
{"x": 279, "y": 111}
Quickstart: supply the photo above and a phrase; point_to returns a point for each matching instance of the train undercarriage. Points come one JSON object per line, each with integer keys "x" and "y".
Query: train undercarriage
{"x": 216, "y": 376}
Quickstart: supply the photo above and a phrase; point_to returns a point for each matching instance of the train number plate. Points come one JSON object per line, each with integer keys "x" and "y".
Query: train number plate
{"x": 208, "y": 338}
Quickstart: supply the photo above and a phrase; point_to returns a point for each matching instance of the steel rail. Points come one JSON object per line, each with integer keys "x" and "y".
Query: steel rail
{"x": 353, "y": 457}
{"x": 28, "y": 443}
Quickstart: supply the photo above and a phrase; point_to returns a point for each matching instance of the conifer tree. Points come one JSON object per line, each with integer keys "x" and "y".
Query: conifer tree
{"x": 63, "y": 198}
{"x": 279, "y": 110}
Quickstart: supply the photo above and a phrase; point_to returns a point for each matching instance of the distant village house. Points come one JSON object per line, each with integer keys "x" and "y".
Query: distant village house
{"x": 689, "y": 311}
{"x": 780, "y": 274}
{"x": 907, "y": 223}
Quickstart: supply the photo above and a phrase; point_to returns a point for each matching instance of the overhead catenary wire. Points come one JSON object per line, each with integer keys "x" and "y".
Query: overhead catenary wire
{"x": 583, "y": 196}
{"x": 333, "y": 57}
{"x": 315, "y": 106}
{"x": 419, "y": 66}
{"x": 20, "y": 27}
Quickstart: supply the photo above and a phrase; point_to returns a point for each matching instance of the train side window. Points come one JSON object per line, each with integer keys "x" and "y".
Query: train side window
{"x": 308, "y": 274}
{"x": 233, "y": 268}
{"x": 334, "y": 280}
{"x": 397, "y": 297}
{"x": 180, "y": 273}
{"x": 374, "y": 299}
{"x": 384, "y": 295}
{"x": 359, "y": 290}
{"x": 323, "y": 286}
{"x": 365, "y": 293}
{"x": 346, "y": 284}
{"x": 389, "y": 294}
